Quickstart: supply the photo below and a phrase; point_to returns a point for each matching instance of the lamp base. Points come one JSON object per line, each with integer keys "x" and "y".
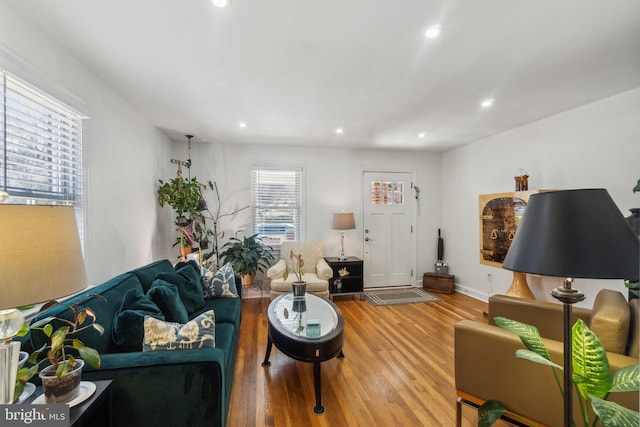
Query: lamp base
{"x": 9, "y": 356}
{"x": 519, "y": 287}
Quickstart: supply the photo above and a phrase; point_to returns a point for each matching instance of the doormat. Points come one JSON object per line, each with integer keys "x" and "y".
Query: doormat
{"x": 400, "y": 296}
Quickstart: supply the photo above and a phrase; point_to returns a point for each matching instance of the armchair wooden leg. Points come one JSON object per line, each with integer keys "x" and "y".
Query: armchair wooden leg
{"x": 458, "y": 412}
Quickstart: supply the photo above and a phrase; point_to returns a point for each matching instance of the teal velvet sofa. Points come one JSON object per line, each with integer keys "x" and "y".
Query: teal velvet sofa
{"x": 189, "y": 388}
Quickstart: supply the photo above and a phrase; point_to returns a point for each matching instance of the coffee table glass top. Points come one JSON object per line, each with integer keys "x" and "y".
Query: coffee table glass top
{"x": 309, "y": 316}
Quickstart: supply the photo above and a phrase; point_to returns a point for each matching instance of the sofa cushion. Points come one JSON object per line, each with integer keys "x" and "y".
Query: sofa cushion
{"x": 166, "y": 296}
{"x": 221, "y": 284}
{"x": 147, "y": 274}
{"x": 105, "y": 306}
{"x": 128, "y": 325}
{"x": 227, "y": 310}
{"x": 314, "y": 284}
{"x": 610, "y": 320}
{"x": 186, "y": 277}
{"x": 196, "y": 333}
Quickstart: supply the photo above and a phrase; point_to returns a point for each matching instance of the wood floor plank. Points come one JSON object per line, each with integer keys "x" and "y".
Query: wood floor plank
{"x": 398, "y": 369}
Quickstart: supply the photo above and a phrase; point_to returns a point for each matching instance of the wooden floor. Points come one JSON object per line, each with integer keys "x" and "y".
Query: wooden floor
{"x": 398, "y": 369}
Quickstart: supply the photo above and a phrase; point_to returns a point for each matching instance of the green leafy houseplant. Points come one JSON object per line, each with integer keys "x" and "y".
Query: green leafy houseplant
{"x": 591, "y": 376}
{"x": 182, "y": 194}
{"x": 186, "y": 199}
{"x": 247, "y": 256}
{"x": 58, "y": 353}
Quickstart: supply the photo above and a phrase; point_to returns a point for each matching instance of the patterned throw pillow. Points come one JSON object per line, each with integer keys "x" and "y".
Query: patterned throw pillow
{"x": 197, "y": 333}
{"x": 221, "y": 284}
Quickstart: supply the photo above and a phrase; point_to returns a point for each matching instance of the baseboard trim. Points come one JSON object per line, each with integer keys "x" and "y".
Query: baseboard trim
{"x": 473, "y": 293}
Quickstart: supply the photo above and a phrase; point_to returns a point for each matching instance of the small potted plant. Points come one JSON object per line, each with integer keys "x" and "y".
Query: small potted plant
{"x": 55, "y": 362}
{"x": 247, "y": 256}
{"x": 299, "y": 286}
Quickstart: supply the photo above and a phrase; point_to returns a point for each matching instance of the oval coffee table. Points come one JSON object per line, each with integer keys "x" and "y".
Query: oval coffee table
{"x": 308, "y": 329}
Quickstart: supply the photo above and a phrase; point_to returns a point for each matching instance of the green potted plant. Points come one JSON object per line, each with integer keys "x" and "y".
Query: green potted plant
{"x": 299, "y": 286}
{"x": 186, "y": 199}
{"x": 591, "y": 376}
{"x": 247, "y": 256}
{"x": 58, "y": 368}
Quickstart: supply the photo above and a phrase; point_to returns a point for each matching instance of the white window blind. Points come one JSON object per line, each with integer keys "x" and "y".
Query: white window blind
{"x": 41, "y": 147}
{"x": 276, "y": 202}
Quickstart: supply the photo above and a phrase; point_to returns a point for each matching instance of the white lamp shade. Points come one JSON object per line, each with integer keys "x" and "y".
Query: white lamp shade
{"x": 40, "y": 254}
{"x": 344, "y": 221}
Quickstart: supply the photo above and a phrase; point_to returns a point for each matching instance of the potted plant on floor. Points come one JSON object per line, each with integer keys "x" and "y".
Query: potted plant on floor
{"x": 247, "y": 256}
{"x": 58, "y": 368}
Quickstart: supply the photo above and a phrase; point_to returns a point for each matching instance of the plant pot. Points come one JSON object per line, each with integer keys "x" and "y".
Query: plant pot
{"x": 185, "y": 250}
{"x": 61, "y": 390}
{"x": 247, "y": 280}
{"x": 299, "y": 288}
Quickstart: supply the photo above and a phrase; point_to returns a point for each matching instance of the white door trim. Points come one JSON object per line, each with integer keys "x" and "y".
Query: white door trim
{"x": 411, "y": 198}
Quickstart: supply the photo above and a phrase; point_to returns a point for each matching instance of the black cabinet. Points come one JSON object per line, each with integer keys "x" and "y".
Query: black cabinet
{"x": 352, "y": 283}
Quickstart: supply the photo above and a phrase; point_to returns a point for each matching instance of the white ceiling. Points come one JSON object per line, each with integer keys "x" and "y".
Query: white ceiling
{"x": 295, "y": 70}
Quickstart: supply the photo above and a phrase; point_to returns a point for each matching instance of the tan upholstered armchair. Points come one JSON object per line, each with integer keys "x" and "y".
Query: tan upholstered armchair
{"x": 486, "y": 367}
{"x": 316, "y": 270}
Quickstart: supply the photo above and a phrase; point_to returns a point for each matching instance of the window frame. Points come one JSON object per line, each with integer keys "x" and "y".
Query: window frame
{"x": 42, "y": 139}
{"x": 297, "y": 169}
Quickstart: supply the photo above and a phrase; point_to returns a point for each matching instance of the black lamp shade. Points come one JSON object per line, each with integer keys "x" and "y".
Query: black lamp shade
{"x": 577, "y": 234}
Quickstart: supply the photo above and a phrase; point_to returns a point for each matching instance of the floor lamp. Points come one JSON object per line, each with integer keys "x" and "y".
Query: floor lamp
{"x": 573, "y": 234}
{"x": 343, "y": 221}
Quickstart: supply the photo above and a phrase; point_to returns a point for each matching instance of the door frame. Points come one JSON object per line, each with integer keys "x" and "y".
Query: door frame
{"x": 413, "y": 208}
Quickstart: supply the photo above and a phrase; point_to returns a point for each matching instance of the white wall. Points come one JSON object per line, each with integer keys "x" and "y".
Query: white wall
{"x": 594, "y": 146}
{"x": 124, "y": 155}
{"x": 332, "y": 183}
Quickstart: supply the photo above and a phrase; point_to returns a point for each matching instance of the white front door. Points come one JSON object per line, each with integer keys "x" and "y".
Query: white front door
{"x": 387, "y": 222}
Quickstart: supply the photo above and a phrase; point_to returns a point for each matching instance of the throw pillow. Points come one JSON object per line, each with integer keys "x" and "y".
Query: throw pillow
{"x": 128, "y": 323}
{"x": 186, "y": 277}
{"x": 167, "y": 298}
{"x": 197, "y": 333}
{"x": 221, "y": 284}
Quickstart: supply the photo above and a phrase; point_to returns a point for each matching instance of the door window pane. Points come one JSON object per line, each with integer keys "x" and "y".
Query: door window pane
{"x": 387, "y": 193}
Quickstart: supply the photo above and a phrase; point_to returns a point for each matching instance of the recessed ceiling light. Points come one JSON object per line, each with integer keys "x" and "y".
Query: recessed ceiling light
{"x": 221, "y": 3}
{"x": 422, "y": 134}
{"x": 339, "y": 131}
{"x": 242, "y": 125}
{"x": 433, "y": 32}
{"x": 487, "y": 103}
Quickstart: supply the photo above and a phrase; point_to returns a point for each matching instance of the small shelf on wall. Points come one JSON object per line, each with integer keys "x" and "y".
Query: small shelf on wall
{"x": 500, "y": 214}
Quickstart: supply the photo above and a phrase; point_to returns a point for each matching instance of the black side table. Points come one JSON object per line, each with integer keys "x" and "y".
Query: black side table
{"x": 351, "y": 284}
{"x": 94, "y": 412}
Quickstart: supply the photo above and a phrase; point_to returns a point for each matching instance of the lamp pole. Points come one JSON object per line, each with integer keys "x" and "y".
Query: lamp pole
{"x": 568, "y": 297}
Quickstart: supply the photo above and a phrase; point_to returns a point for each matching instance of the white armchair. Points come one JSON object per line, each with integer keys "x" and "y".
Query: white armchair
{"x": 316, "y": 270}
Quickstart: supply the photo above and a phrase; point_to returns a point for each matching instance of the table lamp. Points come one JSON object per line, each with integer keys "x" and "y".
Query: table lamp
{"x": 343, "y": 221}
{"x": 573, "y": 234}
{"x": 40, "y": 260}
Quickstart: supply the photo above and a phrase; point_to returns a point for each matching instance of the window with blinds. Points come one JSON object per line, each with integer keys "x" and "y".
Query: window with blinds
{"x": 276, "y": 202}
{"x": 41, "y": 147}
